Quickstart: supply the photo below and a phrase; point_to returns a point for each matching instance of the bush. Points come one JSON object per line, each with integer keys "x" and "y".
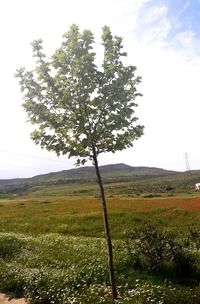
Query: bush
{"x": 184, "y": 263}
{"x": 194, "y": 237}
{"x": 9, "y": 247}
{"x": 152, "y": 195}
{"x": 154, "y": 249}
{"x": 147, "y": 247}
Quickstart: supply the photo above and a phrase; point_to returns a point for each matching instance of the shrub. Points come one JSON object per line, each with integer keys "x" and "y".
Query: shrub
{"x": 9, "y": 247}
{"x": 147, "y": 247}
{"x": 152, "y": 195}
{"x": 183, "y": 262}
{"x": 194, "y": 237}
{"x": 152, "y": 248}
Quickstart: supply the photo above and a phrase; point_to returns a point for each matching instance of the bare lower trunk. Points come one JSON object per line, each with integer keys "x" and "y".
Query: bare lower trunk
{"x": 107, "y": 230}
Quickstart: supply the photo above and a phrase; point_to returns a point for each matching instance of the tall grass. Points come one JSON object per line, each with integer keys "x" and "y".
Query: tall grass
{"x": 82, "y": 217}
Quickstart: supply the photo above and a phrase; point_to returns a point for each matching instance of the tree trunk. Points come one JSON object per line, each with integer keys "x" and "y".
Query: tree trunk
{"x": 107, "y": 229}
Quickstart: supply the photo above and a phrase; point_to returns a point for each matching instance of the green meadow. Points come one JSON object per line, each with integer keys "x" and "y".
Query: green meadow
{"x": 53, "y": 248}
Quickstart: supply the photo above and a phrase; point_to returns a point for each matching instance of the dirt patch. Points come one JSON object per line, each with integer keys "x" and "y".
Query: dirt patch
{"x": 6, "y": 300}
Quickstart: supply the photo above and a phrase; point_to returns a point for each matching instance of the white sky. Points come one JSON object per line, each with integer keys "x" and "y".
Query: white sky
{"x": 169, "y": 66}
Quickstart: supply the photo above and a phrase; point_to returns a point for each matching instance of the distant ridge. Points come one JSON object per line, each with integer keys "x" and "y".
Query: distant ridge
{"x": 118, "y": 178}
{"x": 111, "y": 171}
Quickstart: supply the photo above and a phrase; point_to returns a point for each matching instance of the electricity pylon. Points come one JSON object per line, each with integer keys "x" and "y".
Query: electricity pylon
{"x": 188, "y": 171}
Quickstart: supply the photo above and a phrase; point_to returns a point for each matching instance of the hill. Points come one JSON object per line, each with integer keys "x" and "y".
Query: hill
{"x": 119, "y": 179}
{"x": 87, "y": 173}
{"x": 113, "y": 171}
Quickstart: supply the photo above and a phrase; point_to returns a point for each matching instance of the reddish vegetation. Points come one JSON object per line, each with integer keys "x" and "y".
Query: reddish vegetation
{"x": 145, "y": 205}
{"x": 61, "y": 206}
{"x": 83, "y": 216}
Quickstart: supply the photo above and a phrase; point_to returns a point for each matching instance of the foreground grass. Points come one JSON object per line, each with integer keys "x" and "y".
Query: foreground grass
{"x": 57, "y": 269}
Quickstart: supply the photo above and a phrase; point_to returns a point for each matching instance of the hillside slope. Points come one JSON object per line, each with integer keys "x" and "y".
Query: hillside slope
{"x": 118, "y": 178}
{"x": 108, "y": 171}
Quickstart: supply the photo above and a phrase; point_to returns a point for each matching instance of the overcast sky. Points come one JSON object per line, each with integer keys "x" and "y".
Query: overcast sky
{"x": 162, "y": 39}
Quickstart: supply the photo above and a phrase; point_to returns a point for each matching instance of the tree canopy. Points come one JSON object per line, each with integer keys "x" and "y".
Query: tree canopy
{"x": 78, "y": 105}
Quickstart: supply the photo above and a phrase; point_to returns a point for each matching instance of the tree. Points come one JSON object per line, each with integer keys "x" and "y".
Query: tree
{"x": 82, "y": 109}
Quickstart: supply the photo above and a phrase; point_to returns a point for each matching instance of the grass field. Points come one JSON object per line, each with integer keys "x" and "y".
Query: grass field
{"x": 83, "y": 217}
{"x": 52, "y": 248}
